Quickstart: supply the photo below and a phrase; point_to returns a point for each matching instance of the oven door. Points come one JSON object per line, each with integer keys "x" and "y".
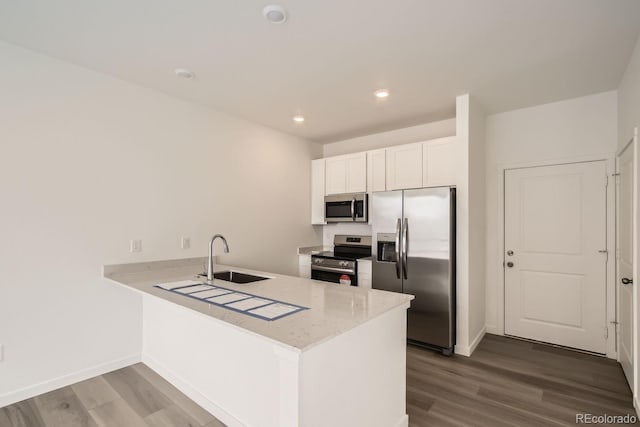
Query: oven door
{"x": 346, "y": 208}
{"x": 330, "y": 276}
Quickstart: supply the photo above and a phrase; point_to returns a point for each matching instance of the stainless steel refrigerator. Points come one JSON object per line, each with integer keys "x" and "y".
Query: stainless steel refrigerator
{"x": 414, "y": 252}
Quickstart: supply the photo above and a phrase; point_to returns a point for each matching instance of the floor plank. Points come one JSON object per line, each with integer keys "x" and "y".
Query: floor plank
{"x": 94, "y": 392}
{"x": 144, "y": 398}
{"x": 62, "y": 408}
{"x": 172, "y": 416}
{"x": 116, "y": 413}
{"x": 21, "y": 414}
{"x": 186, "y": 404}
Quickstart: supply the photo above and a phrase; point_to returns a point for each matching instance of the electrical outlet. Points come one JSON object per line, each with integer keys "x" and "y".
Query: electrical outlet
{"x": 135, "y": 246}
{"x": 185, "y": 242}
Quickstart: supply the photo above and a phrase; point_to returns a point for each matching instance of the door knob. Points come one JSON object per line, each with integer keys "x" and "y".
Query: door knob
{"x": 510, "y": 252}
{"x": 626, "y": 281}
{"x": 510, "y": 264}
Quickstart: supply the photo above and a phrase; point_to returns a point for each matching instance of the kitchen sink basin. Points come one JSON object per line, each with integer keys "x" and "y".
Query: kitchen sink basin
{"x": 235, "y": 277}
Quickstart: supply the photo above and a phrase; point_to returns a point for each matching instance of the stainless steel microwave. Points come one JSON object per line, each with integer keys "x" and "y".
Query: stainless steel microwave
{"x": 350, "y": 207}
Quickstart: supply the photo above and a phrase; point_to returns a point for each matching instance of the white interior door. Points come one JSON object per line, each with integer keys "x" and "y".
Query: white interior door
{"x": 555, "y": 254}
{"x": 624, "y": 261}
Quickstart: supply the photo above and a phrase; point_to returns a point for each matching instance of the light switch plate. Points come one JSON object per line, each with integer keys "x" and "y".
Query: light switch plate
{"x": 1, "y": 352}
{"x": 135, "y": 246}
{"x": 185, "y": 243}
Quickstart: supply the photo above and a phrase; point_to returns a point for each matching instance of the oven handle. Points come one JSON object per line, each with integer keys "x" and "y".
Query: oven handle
{"x": 333, "y": 270}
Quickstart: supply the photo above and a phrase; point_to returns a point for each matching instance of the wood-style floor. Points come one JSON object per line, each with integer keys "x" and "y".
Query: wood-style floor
{"x": 509, "y": 382}
{"x": 506, "y": 382}
{"x": 131, "y": 397}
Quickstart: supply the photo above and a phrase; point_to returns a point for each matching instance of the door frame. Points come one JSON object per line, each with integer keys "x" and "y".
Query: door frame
{"x": 632, "y": 145}
{"x": 611, "y": 304}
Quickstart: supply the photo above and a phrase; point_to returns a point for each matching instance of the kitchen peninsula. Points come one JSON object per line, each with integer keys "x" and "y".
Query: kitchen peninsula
{"x": 339, "y": 361}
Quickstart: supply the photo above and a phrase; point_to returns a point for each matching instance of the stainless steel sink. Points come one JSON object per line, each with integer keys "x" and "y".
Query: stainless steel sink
{"x": 236, "y": 277}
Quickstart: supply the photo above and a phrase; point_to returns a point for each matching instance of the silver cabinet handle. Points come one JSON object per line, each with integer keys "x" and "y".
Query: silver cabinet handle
{"x": 405, "y": 247}
{"x": 398, "y": 248}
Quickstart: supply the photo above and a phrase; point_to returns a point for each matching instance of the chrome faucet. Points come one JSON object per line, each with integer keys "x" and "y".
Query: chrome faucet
{"x": 226, "y": 251}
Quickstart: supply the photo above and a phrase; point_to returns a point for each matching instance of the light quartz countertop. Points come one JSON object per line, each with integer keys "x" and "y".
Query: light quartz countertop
{"x": 333, "y": 309}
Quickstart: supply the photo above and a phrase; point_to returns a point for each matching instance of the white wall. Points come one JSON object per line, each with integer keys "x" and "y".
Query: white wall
{"x": 550, "y": 133}
{"x": 477, "y": 235}
{"x": 629, "y": 99}
{"x": 89, "y": 162}
{"x": 470, "y": 236}
{"x": 628, "y": 120}
{"x": 395, "y": 137}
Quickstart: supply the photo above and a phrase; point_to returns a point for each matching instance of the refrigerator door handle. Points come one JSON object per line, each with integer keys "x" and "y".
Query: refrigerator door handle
{"x": 398, "y": 248}
{"x": 405, "y": 246}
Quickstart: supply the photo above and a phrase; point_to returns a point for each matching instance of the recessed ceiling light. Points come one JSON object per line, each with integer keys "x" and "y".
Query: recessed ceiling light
{"x": 184, "y": 73}
{"x": 299, "y": 118}
{"x": 275, "y": 14}
{"x": 382, "y": 93}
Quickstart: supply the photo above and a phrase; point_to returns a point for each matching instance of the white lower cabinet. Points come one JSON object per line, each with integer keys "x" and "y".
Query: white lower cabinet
{"x": 304, "y": 266}
{"x": 364, "y": 273}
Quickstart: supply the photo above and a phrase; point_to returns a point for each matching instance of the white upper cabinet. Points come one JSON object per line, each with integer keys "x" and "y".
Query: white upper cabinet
{"x": 404, "y": 166}
{"x": 376, "y": 171}
{"x": 438, "y": 162}
{"x": 346, "y": 174}
{"x": 317, "y": 191}
{"x": 357, "y": 173}
{"x": 376, "y": 176}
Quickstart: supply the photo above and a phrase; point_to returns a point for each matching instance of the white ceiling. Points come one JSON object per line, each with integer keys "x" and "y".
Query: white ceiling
{"x": 330, "y": 56}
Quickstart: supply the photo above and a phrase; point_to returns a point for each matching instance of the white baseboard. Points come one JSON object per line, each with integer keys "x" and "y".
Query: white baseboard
{"x": 404, "y": 421}
{"x": 467, "y": 351}
{"x": 492, "y": 329}
{"x": 477, "y": 340}
{"x": 191, "y": 392}
{"x": 66, "y": 380}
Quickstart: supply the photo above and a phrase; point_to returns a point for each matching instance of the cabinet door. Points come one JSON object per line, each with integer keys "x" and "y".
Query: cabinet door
{"x": 404, "y": 166}
{"x": 356, "y": 173}
{"x": 335, "y": 175}
{"x": 317, "y": 191}
{"x": 376, "y": 171}
{"x": 376, "y": 176}
{"x": 438, "y": 162}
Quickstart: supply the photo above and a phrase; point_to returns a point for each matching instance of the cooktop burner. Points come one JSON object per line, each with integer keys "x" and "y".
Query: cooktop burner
{"x": 348, "y": 248}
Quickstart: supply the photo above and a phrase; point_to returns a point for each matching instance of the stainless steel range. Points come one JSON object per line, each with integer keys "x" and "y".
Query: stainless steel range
{"x": 341, "y": 264}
